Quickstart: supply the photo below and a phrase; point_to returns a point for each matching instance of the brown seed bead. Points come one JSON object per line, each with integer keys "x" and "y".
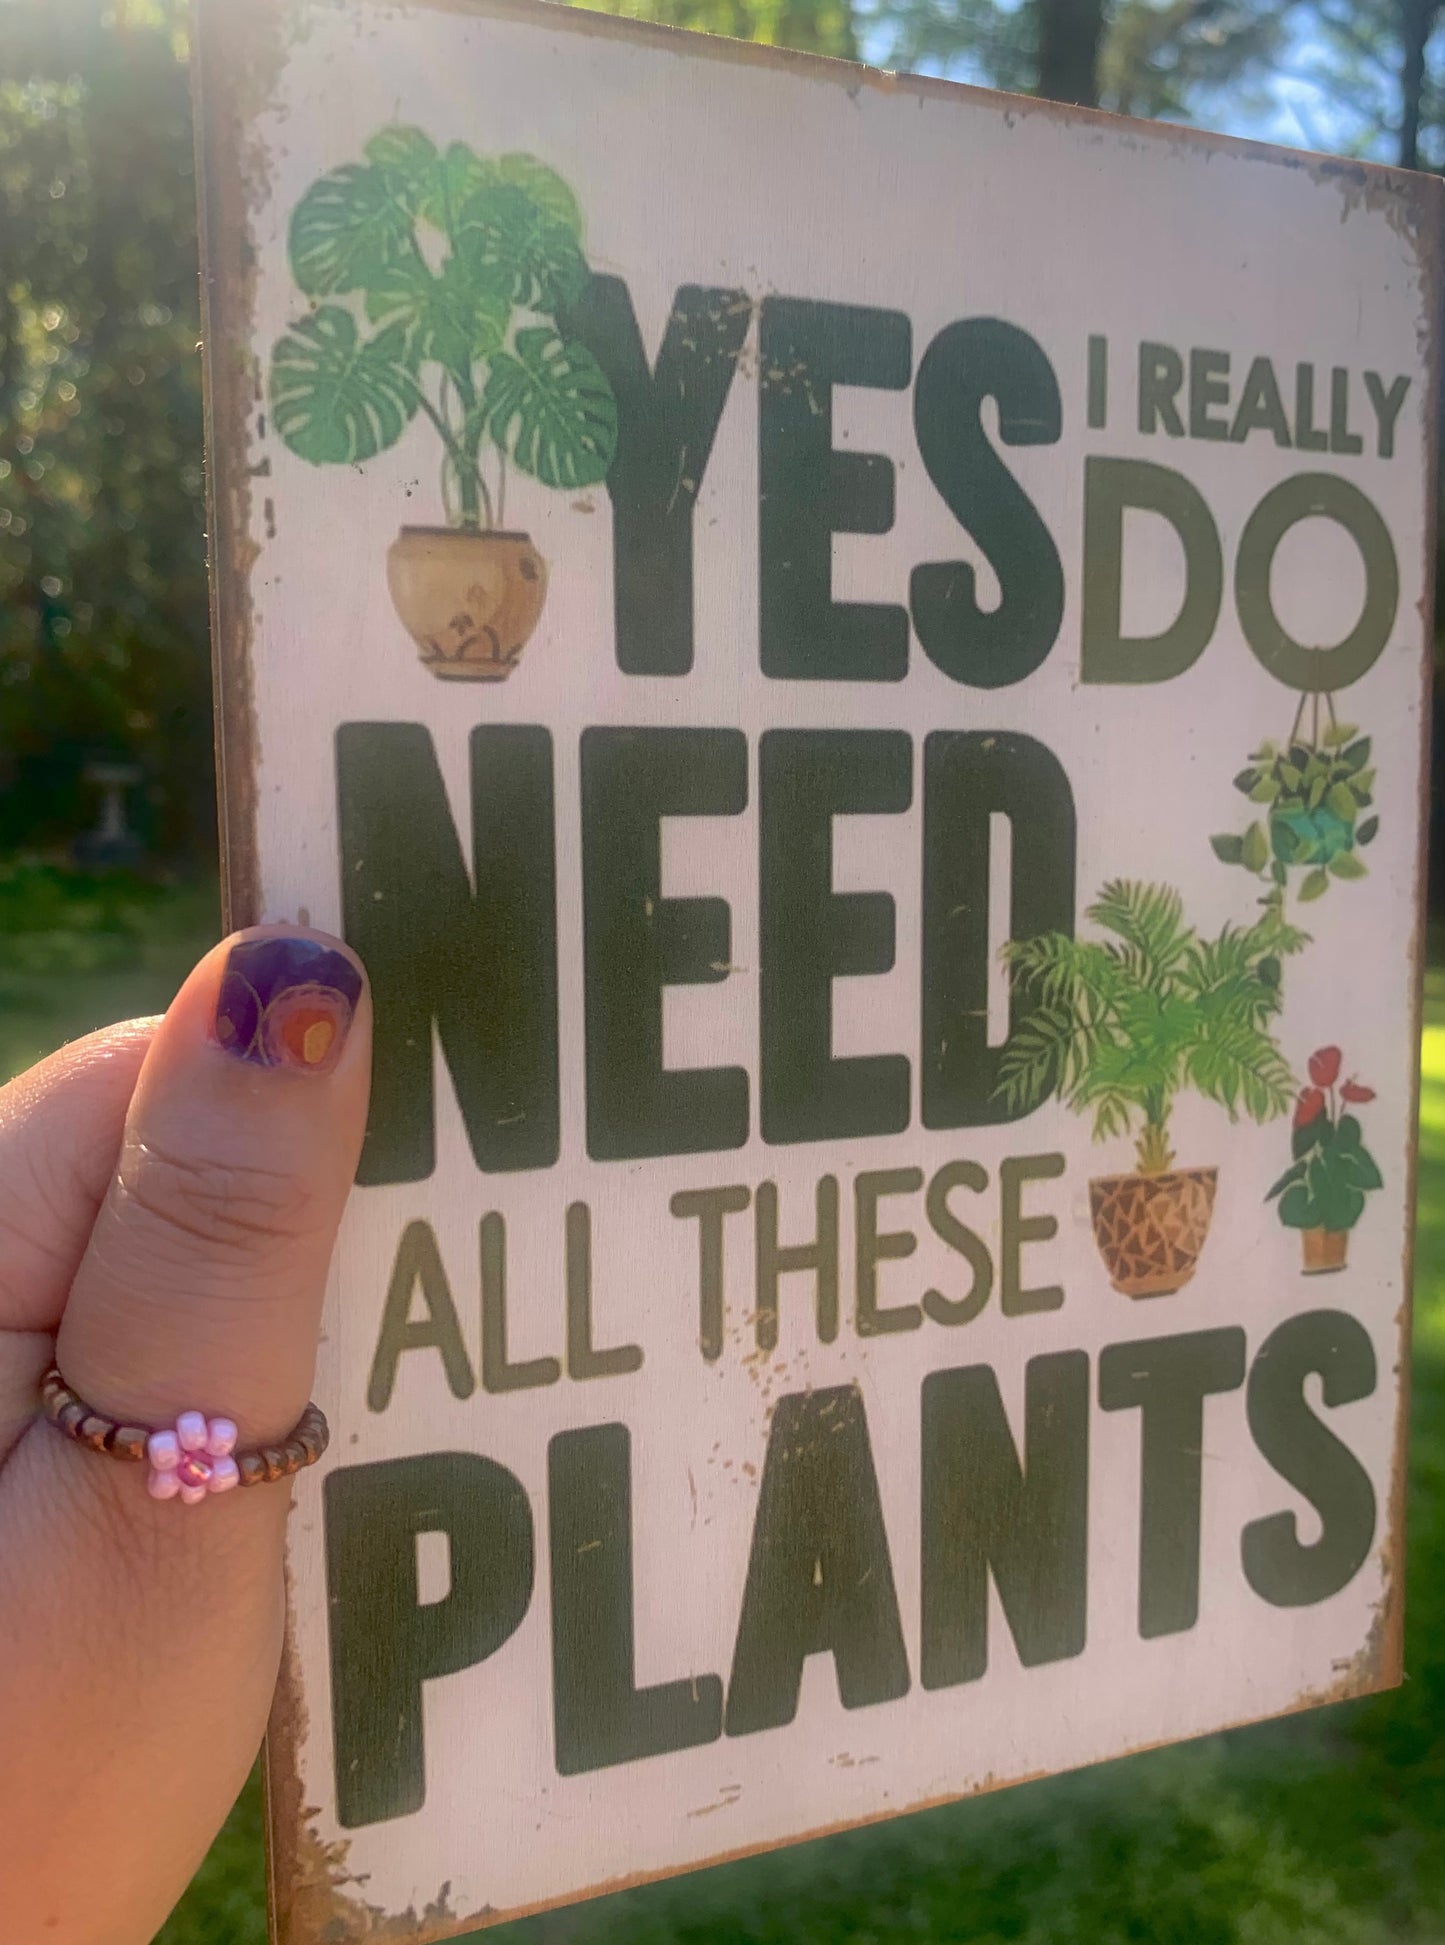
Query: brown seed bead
{"x": 252, "y": 1468}
{"x": 128, "y": 1442}
{"x": 271, "y": 1459}
{"x": 311, "y": 1442}
{"x": 70, "y": 1416}
{"x": 94, "y": 1430}
{"x": 57, "y": 1401}
{"x": 53, "y": 1386}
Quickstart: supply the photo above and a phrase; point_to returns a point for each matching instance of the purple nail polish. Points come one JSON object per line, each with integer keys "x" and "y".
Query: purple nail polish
{"x": 286, "y": 1002}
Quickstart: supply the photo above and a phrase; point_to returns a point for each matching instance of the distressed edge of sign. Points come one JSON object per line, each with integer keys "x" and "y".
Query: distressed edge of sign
{"x": 220, "y": 100}
{"x": 1430, "y": 259}
{"x": 312, "y": 1897}
{"x": 313, "y": 1908}
{"x": 239, "y": 51}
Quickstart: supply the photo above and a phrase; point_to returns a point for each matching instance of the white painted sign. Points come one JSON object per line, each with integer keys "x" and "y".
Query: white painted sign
{"x": 851, "y": 654}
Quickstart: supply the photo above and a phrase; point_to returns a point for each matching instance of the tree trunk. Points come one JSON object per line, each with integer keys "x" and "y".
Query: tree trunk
{"x": 1417, "y": 20}
{"x": 1069, "y": 35}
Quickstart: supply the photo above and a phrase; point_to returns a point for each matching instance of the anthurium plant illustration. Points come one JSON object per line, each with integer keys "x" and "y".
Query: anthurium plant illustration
{"x": 1315, "y": 794}
{"x": 1322, "y": 1192}
{"x": 437, "y": 280}
{"x": 1118, "y": 1027}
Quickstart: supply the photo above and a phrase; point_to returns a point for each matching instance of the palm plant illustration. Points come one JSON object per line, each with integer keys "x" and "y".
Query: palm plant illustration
{"x": 445, "y": 275}
{"x": 1120, "y": 1026}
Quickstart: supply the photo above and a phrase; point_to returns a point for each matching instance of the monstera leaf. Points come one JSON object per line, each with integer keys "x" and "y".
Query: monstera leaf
{"x": 551, "y": 408}
{"x": 509, "y": 236}
{"x": 347, "y": 230}
{"x": 455, "y": 317}
{"x": 438, "y": 187}
{"x": 409, "y": 160}
{"x": 545, "y": 187}
{"x": 337, "y": 398}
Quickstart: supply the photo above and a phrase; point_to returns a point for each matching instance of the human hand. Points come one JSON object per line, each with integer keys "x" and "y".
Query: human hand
{"x": 169, "y": 1197}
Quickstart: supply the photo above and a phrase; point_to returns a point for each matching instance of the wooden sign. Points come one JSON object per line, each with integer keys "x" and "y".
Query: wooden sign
{"x": 852, "y": 654}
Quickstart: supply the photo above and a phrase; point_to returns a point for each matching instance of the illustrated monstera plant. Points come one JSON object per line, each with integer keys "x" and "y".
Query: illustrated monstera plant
{"x": 1315, "y": 793}
{"x": 1117, "y": 1027}
{"x": 438, "y": 279}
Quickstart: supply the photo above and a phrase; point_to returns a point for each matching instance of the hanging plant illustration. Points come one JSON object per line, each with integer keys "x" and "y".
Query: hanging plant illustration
{"x": 1322, "y": 1193}
{"x": 1315, "y": 793}
{"x": 1119, "y": 1027}
{"x": 438, "y": 281}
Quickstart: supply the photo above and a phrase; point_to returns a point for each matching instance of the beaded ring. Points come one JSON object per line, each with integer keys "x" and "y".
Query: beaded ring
{"x": 192, "y": 1459}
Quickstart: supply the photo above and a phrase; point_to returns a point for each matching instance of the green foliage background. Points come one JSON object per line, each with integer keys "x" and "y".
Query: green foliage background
{"x": 1328, "y": 1828}
{"x": 102, "y": 566}
{"x": 103, "y": 617}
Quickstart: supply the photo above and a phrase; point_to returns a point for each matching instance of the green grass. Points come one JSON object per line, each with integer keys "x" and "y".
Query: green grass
{"x": 78, "y": 951}
{"x": 1327, "y": 1829}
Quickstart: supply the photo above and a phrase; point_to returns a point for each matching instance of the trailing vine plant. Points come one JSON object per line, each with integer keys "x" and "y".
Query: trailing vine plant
{"x": 1316, "y": 793}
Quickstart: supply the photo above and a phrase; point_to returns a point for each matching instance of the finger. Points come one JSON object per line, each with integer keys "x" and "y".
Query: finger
{"x": 202, "y": 1282}
{"x": 60, "y": 1128}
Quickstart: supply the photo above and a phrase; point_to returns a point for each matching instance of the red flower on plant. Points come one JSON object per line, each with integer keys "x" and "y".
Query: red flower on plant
{"x": 1352, "y": 1091}
{"x": 1311, "y": 1105}
{"x": 1325, "y": 1066}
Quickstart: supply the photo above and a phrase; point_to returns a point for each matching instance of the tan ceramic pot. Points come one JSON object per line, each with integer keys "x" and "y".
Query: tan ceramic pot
{"x": 1325, "y": 1250}
{"x": 468, "y": 600}
{"x": 1151, "y": 1228}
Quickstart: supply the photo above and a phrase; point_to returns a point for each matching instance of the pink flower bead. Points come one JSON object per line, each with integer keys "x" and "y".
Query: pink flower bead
{"x": 194, "y": 1460}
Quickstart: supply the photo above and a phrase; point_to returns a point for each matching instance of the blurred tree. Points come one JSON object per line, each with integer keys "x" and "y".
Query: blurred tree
{"x": 1372, "y": 59}
{"x": 816, "y": 26}
{"x": 1156, "y": 58}
{"x": 103, "y": 616}
{"x": 1069, "y": 35}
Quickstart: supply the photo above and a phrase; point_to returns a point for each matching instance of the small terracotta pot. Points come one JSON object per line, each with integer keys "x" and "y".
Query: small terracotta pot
{"x": 1151, "y": 1228}
{"x": 1324, "y": 1250}
{"x": 468, "y": 600}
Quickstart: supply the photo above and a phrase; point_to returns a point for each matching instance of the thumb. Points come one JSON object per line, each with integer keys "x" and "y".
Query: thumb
{"x": 202, "y": 1283}
{"x": 146, "y": 1637}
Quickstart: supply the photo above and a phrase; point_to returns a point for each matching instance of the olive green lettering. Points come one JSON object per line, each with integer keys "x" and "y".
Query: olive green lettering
{"x": 1018, "y": 1229}
{"x": 498, "y": 1372}
{"x": 1208, "y": 387}
{"x": 960, "y": 1238}
{"x": 1261, "y": 409}
{"x": 873, "y": 1247}
{"x": 1307, "y": 435}
{"x": 1386, "y": 403}
{"x": 1106, "y": 653}
{"x": 1310, "y": 496}
{"x": 418, "y": 1265}
{"x": 775, "y": 1261}
{"x": 1161, "y": 374}
{"x": 710, "y": 1206}
{"x": 583, "y": 1359}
